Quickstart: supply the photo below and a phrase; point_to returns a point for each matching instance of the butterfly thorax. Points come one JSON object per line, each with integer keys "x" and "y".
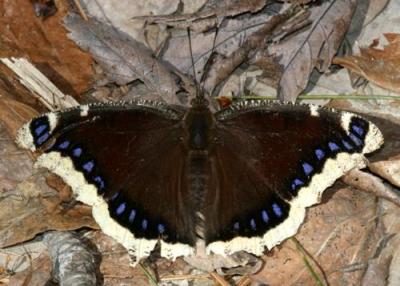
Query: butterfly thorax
{"x": 198, "y": 123}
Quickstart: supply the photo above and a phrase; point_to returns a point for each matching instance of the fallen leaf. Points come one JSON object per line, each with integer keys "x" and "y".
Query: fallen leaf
{"x": 380, "y": 66}
{"x": 123, "y": 58}
{"x": 328, "y": 236}
{"x": 313, "y": 48}
{"x": 44, "y": 43}
{"x": 27, "y": 199}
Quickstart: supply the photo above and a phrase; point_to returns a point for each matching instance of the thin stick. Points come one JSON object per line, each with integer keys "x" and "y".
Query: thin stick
{"x": 152, "y": 280}
{"x": 169, "y": 278}
{"x": 314, "y": 274}
{"x": 80, "y": 10}
{"x": 219, "y": 279}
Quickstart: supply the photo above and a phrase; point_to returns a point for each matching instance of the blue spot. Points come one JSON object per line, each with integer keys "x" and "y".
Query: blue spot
{"x": 347, "y": 145}
{"x": 64, "y": 145}
{"x": 265, "y": 216}
{"x": 144, "y": 224}
{"x": 39, "y": 130}
{"x": 88, "y": 166}
{"x": 42, "y": 138}
{"x": 308, "y": 169}
{"x": 277, "y": 209}
{"x": 160, "y": 228}
{"x": 77, "y": 152}
{"x": 121, "y": 208}
{"x": 132, "y": 216}
{"x": 320, "y": 154}
{"x": 100, "y": 182}
{"x": 333, "y": 146}
{"x": 357, "y": 129}
{"x": 355, "y": 139}
{"x": 36, "y": 122}
{"x": 296, "y": 183}
{"x": 115, "y": 196}
{"x": 236, "y": 226}
{"x": 253, "y": 223}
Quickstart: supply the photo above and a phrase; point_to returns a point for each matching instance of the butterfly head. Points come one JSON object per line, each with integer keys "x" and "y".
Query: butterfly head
{"x": 199, "y": 102}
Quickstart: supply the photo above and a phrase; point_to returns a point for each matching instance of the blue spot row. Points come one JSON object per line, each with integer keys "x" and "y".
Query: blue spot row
{"x": 66, "y": 147}
{"x": 121, "y": 209}
{"x": 277, "y": 213}
{"x": 40, "y": 130}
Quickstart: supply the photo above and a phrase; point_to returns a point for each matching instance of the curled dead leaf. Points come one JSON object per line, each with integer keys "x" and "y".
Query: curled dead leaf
{"x": 381, "y": 66}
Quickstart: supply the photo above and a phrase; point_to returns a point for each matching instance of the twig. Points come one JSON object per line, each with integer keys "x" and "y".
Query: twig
{"x": 147, "y": 273}
{"x": 80, "y": 10}
{"x": 371, "y": 184}
{"x": 169, "y": 278}
{"x": 320, "y": 281}
{"x": 35, "y": 81}
{"x": 219, "y": 279}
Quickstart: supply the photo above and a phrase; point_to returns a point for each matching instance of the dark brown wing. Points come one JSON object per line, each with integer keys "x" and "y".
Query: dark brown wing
{"x": 134, "y": 157}
{"x": 270, "y": 162}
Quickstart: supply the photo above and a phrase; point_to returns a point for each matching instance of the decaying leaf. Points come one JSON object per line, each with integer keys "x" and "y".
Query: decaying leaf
{"x": 124, "y": 59}
{"x": 44, "y": 43}
{"x": 328, "y": 237}
{"x": 33, "y": 206}
{"x": 314, "y": 48}
{"x": 209, "y": 14}
{"x": 380, "y": 66}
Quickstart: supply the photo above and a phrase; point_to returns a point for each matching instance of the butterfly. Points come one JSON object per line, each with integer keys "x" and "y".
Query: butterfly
{"x": 237, "y": 179}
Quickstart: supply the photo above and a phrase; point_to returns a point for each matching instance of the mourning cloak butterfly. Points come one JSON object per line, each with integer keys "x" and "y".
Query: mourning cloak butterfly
{"x": 237, "y": 179}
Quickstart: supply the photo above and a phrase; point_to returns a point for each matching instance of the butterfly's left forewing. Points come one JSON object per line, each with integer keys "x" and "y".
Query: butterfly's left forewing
{"x": 128, "y": 162}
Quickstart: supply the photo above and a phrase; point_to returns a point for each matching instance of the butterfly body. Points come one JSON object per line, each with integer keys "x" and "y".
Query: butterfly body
{"x": 237, "y": 179}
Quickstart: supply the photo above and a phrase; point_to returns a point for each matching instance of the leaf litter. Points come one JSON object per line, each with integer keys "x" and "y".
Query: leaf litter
{"x": 347, "y": 239}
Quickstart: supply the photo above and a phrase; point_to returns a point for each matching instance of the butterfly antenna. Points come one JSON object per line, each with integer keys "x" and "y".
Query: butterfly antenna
{"x": 209, "y": 60}
{"x": 198, "y": 93}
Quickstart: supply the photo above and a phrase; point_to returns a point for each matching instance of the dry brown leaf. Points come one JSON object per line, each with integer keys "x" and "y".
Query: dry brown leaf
{"x": 390, "y": 170}
{"x": 340, "y": 235}
{"x": 313, "y": 48}
{"x": 114, "y": 264}
{"x": 26, "y": 198}
{"x": 380, "y": 66}
{"x": 208, "y": 15}
{"x": 37, "y": 275}
{"x": 124, "y": 59}
{"x": 35, "y": 210}
{"x": 44, "y": 43}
